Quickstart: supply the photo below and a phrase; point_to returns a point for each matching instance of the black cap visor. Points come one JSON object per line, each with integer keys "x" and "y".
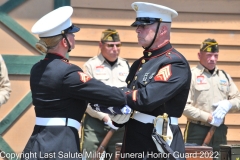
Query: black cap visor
{"x": 72, "y": 29}
{"x": 144, "y": 21}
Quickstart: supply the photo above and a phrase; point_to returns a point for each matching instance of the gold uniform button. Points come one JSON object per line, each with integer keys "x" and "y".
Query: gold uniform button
{"x": 135, "y": 78}
{"x": 143, "y": 61}
{"x": 169, "y": 53}
{"x": 128, "y": 82}
{"x": 149, "y": 53}
{"x": 140, "y": 69}
{"x": 133, "y": 87}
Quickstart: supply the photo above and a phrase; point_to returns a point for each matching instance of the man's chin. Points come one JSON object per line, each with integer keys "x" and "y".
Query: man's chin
{"x": 211, "y": 67}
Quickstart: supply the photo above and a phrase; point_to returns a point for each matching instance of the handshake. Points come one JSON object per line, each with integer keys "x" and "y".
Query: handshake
{"x": 221, "y": 110}
{"x": 118, "y": 114}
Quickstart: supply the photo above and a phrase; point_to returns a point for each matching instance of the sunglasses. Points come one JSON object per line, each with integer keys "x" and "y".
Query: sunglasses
{"x": 112, "y": 45}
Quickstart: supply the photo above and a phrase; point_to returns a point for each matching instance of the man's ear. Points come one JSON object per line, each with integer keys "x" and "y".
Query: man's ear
{"x": 100, "y": 44}
{"x": 64, "y": 42}
{"x": 163, "y": 29}
{"x": 199, "y": 55}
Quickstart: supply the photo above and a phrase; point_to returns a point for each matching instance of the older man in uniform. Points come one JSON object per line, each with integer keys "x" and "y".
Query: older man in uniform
{"x": 159, "y": 83}
{"x": 112, "y": 70}
{"x": 212, "y": 95}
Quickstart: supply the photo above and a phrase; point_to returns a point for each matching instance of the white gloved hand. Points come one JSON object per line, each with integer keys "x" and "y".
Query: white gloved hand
{"x": 111, "y": 110}
{"x": 216, "y": 121}
{"x": 109, "y": 123}
{"x": 120, "y": 118}
{"x": 222, "y": 108}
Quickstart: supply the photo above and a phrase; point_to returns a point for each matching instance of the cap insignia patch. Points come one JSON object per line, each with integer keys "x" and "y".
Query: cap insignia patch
{"x": 209, "y": 49}
{"x": 109, "y": 38}
{"x": 135, "y": 7}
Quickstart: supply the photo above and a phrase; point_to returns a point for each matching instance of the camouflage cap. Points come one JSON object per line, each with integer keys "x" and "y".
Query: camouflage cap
{"x": 110, "y": 35}
{"x": 209, "y": 45}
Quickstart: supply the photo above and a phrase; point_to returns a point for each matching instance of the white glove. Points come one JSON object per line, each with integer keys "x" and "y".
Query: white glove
{"x": 222, "y": 108}
{"x": 109, "y": 123}
{"x": 120, "y": 118}
{"x": 216, "y": 121}
{"x": 111, "y": 110}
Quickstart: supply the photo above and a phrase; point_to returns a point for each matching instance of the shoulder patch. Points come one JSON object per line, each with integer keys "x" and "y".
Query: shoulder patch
{"x": 164, "y": 73}
{"x": 84, "y": 77}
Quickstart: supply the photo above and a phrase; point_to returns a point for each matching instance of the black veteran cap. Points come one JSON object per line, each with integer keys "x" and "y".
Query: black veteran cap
{"x": 55, "y": 23}
{"x": 110, "y": 35}
{"x": 149, "y": 13}
{"x": 209, "y": 45}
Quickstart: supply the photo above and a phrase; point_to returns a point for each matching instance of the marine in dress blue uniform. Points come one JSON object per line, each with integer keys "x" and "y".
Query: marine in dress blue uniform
{"x": 159, "y": 83}
{"x": 61, "y": 91}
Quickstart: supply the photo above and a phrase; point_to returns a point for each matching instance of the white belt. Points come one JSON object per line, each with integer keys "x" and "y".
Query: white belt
{"x": 145, "y": 118}
{"x": 57, "y": 122}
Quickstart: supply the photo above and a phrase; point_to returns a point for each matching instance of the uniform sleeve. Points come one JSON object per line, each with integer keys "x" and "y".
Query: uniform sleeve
{"x": 82, "y": 86}
{"x": 5, "y": 89}
{"x": 95, "y": 114}
{"x": 99, "y": 115}
{"x": 192, "y": 112}
{"x": 234, "y": 96}
{"x": 87, "y": 69}
{"x": 160, "y": 89}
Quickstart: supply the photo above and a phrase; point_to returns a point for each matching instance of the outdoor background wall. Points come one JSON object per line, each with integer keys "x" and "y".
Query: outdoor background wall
{"x": 197, "y": 21}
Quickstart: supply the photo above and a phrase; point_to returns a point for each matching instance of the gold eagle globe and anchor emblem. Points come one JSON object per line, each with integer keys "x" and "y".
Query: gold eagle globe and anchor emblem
{"x": 135, "y": 7}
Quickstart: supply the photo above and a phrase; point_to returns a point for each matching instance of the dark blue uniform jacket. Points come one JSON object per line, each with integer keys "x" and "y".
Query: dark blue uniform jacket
{"x": 60, "y": 89}
{"x": 159, "y": 82}
{"x": 159, "y": 92}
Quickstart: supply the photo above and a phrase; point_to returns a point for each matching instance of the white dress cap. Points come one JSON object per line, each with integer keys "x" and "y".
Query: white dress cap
{"x": 54, "y": 22}
{"x": 150, "y": 10}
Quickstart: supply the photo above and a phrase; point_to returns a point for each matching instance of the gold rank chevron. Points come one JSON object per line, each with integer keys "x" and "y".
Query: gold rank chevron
{"x": 84, "y": 77}
{"x": 164, "y": 73}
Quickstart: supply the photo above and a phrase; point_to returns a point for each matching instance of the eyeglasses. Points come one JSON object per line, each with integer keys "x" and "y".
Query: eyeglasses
{"x": 112, "y": 45}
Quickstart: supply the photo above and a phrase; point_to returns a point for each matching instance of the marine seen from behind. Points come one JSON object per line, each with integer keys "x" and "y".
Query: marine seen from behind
{"x": 61, "y": 91}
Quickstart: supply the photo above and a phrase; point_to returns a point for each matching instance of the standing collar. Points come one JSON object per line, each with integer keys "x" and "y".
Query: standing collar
{"x": 155, "y": 52}
{"x": 55, "y": 56}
